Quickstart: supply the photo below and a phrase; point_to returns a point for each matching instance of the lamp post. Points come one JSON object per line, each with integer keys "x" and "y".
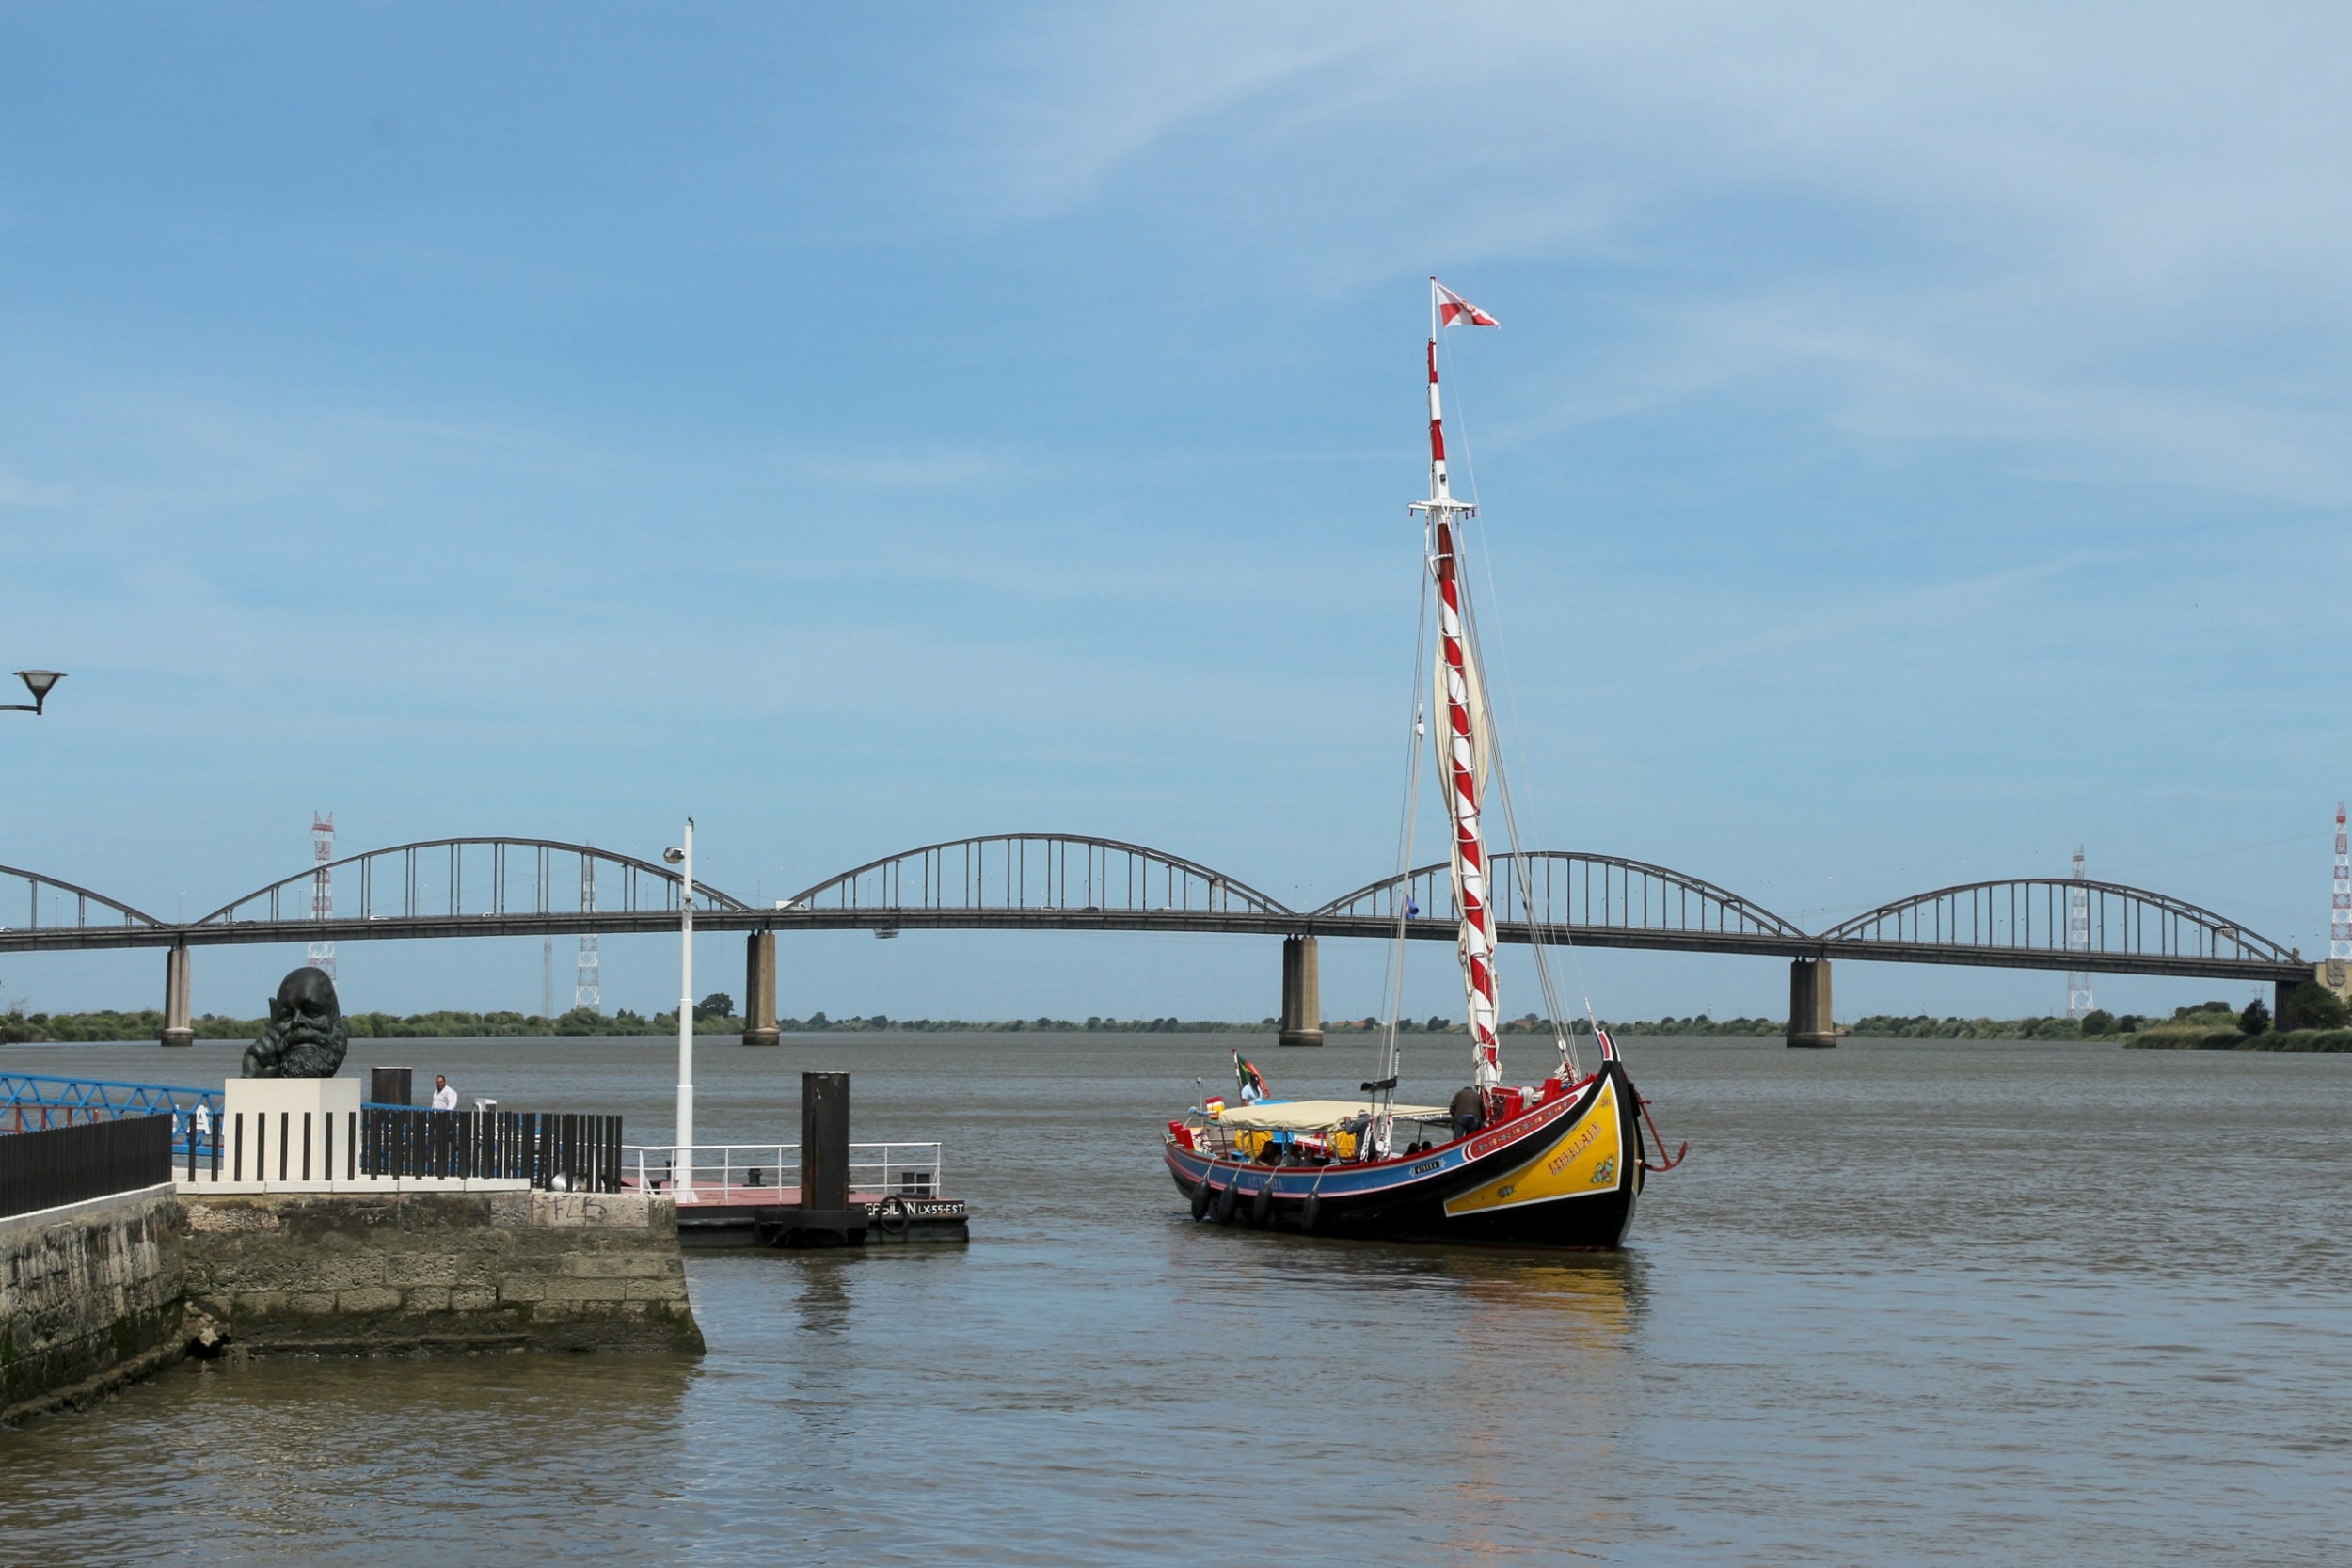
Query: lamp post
{"x": 38, "y": 682}
{"x": 682, "y": 1183}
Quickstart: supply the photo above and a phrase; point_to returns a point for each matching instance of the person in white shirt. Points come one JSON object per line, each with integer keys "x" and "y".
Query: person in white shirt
{"x": 444, "y": 1098}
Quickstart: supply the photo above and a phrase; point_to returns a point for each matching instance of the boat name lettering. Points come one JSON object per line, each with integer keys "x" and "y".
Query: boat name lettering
{"x": 1585, "y": 1140}
{"x": 1427, "y": 1166}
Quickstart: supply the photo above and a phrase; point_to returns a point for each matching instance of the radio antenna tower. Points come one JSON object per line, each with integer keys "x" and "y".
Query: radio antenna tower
{"x": 2078, "y": 941}
{"x": 322, "y": 888}
{"x": 587, "y": 988}
{"x": 2340, "y": 917}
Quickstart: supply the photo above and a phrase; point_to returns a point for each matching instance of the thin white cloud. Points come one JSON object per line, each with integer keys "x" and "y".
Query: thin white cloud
{"x": 2059, "y": 229}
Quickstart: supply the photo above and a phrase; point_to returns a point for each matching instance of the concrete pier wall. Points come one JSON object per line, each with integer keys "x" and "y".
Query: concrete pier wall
{"x": 178, "y": 1029}
{"x": 1302, "y": 992}
{"x": 89, "y": 1299}
{"x": 759, "y": 990}
{"x": 1810, "y": 1021}
{"x": 341, "y": 1274}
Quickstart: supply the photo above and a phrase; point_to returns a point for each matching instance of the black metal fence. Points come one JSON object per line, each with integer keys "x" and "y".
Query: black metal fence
{"x": 554, "y": 1150}
{"x": 66, "y": 1164}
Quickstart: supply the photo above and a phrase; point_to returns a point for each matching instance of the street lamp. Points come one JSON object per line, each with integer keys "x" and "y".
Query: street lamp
{"x": 683, "y": 858}
{"x": 38, "y": 682}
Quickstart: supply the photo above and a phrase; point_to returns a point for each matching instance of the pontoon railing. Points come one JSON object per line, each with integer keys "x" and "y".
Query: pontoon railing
{"x": 751, "y": 1172}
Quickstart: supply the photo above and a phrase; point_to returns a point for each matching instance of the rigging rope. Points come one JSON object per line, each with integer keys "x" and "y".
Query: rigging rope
{"x": 1393, "y": 977}
{"x": 1562, "y": 1031}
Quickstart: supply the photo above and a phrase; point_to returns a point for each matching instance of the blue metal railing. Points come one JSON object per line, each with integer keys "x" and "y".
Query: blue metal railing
{"x": 30, "y": 1101}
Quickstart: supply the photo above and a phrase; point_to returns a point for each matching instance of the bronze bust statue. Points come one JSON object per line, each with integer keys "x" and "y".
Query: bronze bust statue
{"x": 305, "y": 1038}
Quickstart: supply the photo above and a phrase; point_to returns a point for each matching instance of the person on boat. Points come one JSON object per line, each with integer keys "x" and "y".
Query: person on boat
{"x": 1468, "y": 1109}
{"x": 1252, "y": 1084}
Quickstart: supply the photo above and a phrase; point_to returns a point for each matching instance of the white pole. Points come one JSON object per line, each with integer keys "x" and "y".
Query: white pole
{"x": 685, "y": 1180}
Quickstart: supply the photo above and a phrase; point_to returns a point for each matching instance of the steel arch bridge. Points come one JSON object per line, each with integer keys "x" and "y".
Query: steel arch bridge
{"x": 1051, "y": 880}
{"x": 32, "y": 884}
{"x": 487, "y": 886}
{"x": 2131, "y": 930}
{"x": 1592, "y": 900}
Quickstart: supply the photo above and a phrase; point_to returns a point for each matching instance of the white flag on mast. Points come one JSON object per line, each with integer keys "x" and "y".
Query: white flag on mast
{"x": 1454, "y": 310}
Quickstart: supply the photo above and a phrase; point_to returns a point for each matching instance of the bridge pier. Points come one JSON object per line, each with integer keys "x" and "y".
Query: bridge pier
{"x": 759, "y": 990}
{"x": 1302, "y": 993}
{"x": 1809, "y": 1022}
{"x": 178, "y": 1030}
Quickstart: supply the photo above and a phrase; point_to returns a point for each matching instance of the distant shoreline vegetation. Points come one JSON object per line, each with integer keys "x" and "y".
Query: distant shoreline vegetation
{"x": 2208, "y": 1025}
{"x": 2312, "y": 1019}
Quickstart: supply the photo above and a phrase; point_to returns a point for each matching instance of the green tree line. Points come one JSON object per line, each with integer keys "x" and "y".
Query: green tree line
{"x": 2311, "y": 1010}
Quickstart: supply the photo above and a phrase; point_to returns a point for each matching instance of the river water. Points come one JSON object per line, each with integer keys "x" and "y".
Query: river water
{"x": 1908, "y": 1302}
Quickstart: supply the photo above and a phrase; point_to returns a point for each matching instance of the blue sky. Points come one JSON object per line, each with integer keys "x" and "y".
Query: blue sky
{"x": 1913, "y": 447}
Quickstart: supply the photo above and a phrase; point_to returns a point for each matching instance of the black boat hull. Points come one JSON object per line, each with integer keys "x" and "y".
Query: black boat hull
{"x": 1564, "y": 1174}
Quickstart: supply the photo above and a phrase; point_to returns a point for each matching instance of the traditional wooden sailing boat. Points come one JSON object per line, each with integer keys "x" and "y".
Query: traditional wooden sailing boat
{"x": 1556, "y": 1163}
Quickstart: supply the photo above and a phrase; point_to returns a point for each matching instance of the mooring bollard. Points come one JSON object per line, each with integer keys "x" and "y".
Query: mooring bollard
{"x": 825, "y": 1141}
{"x": 824, "y": 1216}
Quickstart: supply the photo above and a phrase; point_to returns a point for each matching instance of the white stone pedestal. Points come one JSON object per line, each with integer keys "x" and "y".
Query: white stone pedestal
{"x": 290, "y": 1130}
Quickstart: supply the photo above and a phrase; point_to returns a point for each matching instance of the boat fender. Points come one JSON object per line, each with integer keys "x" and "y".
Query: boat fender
{"x": 1201, "y": 1192}
{"x": 1261, "y": 1206}
{"x": 1306, "y": 1215}
{"x": 890, "y": 1215}
{"x": 1226, "y": 1199}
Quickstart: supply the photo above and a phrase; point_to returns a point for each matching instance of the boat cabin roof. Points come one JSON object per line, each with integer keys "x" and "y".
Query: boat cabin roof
{"x": 1314, "y": 1116}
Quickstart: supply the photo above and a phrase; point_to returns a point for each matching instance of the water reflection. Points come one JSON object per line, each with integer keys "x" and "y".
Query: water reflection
{"x": 822, "y": 1302}
{"x": 297, "y": 1460}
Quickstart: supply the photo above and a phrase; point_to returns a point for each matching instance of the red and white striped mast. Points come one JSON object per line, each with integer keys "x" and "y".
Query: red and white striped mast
{"x": 1458, "y": 746}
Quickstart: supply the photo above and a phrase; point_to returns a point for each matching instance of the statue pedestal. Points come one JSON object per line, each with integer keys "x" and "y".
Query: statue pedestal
{"x": 289, "y": 1129}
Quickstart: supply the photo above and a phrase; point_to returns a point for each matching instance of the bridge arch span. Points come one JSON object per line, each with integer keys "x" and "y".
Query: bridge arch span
{"x": 1013, "y": 874}
{"x": 34, "y": 884}
{"x": 2029, "y": 915}
{"x": 461, "y": 879}
{"x": 1577, "y": 890}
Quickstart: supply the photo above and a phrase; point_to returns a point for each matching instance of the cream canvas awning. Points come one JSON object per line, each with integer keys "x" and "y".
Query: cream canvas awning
{"x": 1314, "y": 1116}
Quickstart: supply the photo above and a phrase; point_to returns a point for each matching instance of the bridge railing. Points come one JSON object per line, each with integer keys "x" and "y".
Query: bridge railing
{"x": 1037, "y": 872}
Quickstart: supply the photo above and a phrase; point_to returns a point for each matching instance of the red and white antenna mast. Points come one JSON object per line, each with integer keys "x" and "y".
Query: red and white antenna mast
{"x": 2340, "y": 916}
{"x": 323, "y": 888}
{"x": 588, "y": 979}
{"x": 2078, "y": 941}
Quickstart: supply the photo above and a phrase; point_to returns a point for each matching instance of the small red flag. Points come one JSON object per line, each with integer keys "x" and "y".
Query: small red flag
{"x": 1454, "y": 310}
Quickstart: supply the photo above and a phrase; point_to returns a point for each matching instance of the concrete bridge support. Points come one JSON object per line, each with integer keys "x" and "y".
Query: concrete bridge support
{"x": 759, "y": 990}
{"x": 178, "y": 1029}
{"x": 1302, "y": 993}
{"x": 1809, "y": 1023}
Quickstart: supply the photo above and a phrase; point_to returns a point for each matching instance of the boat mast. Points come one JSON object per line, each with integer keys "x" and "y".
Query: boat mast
{"x": 1459, "y": 745}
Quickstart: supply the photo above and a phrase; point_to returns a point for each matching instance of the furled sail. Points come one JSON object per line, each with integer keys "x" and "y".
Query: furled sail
{"x": 1465, "y": 749}
{"x": 1482, "y": 733}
